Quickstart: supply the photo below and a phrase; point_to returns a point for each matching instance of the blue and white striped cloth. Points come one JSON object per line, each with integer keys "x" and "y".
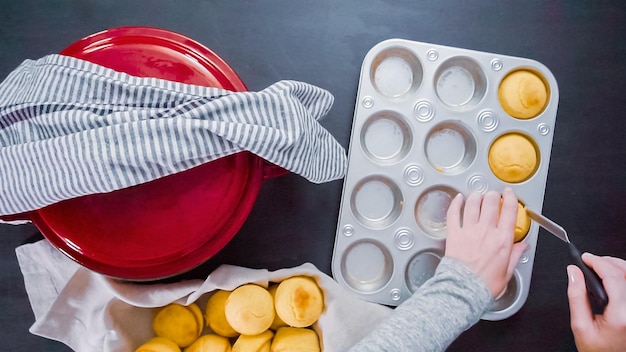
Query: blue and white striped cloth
{"x": 70, "y": 128}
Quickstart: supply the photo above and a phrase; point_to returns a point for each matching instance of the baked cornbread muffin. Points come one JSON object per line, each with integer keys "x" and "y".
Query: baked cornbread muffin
{"x": 299, "y": 301}
{"x": 181, "y": 324}
{"x": 216, "y": 314}
{"x": 523, "y": 94}
{"x": 278, "y": 322}
{"x": 290, "y": 339}
{"x": 249, "y": 309}
{"x": 522, "y": 225}
{"x": 513, "y": 158}
{"x": 210, "y": 343}
{"x": 255, "y": 343}
{"x": 158, "y": 344}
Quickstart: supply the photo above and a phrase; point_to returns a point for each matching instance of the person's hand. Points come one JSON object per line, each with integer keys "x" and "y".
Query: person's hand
{"x": 605, "y": 332}
{"x": 482, "y": 238}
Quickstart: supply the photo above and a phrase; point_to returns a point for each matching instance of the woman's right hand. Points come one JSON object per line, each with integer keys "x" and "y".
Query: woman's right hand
{"x": 602, "y": 332}
{"x": 482, "y": 238}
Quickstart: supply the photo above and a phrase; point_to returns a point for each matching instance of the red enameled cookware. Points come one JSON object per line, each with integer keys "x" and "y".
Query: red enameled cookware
{"x": 170, "y": 225}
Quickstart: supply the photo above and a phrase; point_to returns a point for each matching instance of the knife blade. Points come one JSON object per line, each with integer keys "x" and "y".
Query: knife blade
{"x": 595, "y": 290}
{"x": 549, "y": 225}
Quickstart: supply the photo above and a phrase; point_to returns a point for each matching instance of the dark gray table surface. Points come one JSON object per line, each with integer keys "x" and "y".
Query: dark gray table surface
{"x": 323, "y": 43}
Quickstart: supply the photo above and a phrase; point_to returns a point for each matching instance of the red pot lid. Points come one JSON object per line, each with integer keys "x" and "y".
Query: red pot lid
{"x": 169, "y": 225}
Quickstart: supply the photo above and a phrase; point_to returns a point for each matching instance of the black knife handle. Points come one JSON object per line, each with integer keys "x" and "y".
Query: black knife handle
{"x": 595, "y": 291}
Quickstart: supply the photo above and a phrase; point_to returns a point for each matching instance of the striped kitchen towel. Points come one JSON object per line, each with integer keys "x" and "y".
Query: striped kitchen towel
{"x": 70, "y": 128}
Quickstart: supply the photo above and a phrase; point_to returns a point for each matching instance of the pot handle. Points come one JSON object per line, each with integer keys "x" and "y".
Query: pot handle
{"x": 15, "y": 217}
{"x": 272, "y": 171}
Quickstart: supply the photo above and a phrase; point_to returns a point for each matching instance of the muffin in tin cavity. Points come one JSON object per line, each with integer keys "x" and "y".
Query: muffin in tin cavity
{"x": 513, "y": 157}
{"x": 523, "y": 94}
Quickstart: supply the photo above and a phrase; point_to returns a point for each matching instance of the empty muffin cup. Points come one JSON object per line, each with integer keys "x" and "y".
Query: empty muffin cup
{"x": 509, "y": 296}
{"x": 421, "y": 268}
{"x": 431, "y": 210}
{"x": 523, "y": 94}
{"x": 513, "y": 157}
{"x": 460, "y": 83}
{"x": 386, "y": 137}
{"x": 396, "y": 72}
{"x": 366, "y": 266}
{"x": 450, "y": 147}
{"x": 376, "y": 201}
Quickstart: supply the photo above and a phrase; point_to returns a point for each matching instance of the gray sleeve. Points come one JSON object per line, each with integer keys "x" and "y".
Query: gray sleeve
{"x": 449, "y": 303}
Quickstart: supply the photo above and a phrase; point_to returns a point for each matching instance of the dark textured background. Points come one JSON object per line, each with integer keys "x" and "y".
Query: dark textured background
{"x": 323, "y": 43}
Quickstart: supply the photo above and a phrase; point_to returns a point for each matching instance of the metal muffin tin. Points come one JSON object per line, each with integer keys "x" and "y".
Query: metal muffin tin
{"x": 425, "y": 118}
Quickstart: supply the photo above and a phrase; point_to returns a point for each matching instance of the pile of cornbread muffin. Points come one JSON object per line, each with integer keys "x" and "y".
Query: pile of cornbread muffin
{"x": 249, "y": 318}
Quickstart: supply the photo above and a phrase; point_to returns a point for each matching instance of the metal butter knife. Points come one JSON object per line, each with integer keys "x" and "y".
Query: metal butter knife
{"x": 595, "y": 291}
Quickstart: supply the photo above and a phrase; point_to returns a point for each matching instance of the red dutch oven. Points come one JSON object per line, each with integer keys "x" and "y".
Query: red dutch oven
{"x": 170, "y": 225}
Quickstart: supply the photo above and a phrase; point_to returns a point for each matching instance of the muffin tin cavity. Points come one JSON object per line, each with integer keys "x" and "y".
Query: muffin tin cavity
{"x": 429, "y": 123}
{"x": 396, "y": 72}
{"x": 376, "y": 202}
{"x": 421, "y": 267}
{"x": 431, "y": 210}
{"x": 460, "y": 83}
{"x": 386, "y": 137}
{"x": 367, "y": 276}
{"x": 508, "y": 297}
{"x": 450, "y": 147}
